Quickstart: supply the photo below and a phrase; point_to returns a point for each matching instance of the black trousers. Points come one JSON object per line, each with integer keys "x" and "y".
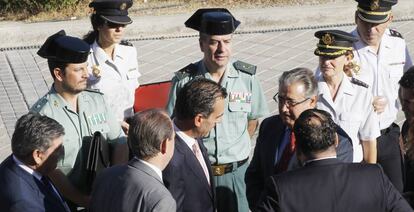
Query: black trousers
{"x": 389, "y": 155}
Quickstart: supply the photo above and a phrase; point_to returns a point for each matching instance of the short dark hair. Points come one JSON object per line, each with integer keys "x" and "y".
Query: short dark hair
{"x": 315, "y": 131}
{"x": 147, "y": 130}
{"x": 34, "y": 131}
{"x": 198, "y": 97}
{"x": 407, "y": 80}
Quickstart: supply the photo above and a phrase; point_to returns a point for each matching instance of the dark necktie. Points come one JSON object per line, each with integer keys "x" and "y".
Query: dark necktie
{"x": 48, "y": 184}
{"x": 288, "y": 152}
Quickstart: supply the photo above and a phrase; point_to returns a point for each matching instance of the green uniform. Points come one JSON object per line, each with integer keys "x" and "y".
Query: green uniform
{"x": 229, "y": 140}
{"x": 94, "y": 115}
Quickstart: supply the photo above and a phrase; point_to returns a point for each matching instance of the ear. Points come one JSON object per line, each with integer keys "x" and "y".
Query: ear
{"x": 58, "y": 73}
{"x": 336, "y": 140}
{"x": 200, "y": 43}
{"x": 163, "y": 147}
{"x": 313, "y": 101}
{"x": 198, "y": 120}
{"x": 37, "y": 157}
{"x": 391, "y": 18}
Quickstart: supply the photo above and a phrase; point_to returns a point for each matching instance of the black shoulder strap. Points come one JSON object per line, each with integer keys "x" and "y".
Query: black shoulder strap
{"x": 359, "y": 82}
{"x": 125, "y": 43}
{"x": 189, "y": 70}
{"x": 394, "y": 33}
{"x": 245, "y": 67}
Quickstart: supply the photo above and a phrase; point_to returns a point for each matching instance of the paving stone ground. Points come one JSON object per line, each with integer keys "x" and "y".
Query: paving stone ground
{"x": 24, "y": 76}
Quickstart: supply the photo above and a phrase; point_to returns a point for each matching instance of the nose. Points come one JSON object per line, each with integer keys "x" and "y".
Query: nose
{"x": 283, "y": 107}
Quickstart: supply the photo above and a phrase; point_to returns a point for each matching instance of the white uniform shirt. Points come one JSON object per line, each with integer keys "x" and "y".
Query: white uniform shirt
{"x": 118, "y": 77}
{"x": 382, "y": 71}
{"x": 352, "y": 111}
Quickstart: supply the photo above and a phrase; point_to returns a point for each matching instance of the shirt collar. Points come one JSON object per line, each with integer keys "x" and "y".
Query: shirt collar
{"x": 190, "y": 141}
{"x": 155, "y": 168}
{"x": 27, "y": 169}
{"x": 318, "y": 159}
{"x": 100, "y": 53}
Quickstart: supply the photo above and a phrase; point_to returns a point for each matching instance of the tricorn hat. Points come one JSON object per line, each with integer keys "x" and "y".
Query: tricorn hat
{"x": 213, "y": 21}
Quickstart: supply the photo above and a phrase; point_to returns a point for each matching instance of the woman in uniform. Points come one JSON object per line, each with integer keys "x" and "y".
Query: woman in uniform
{"x": 347, "y": 99}
{"x": 113, "y": 65}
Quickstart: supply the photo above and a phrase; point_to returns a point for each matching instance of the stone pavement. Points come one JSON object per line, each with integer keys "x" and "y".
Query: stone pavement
{"x": 24, "y": 76}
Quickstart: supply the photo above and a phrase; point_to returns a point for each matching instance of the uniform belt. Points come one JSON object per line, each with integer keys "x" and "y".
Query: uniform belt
{"x": 388, "y": 129}
{"x": 221, "y": 169}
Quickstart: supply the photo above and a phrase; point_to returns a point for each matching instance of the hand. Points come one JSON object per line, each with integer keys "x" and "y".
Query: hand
{"x": 379, "y": 103}
{"x": 125, "y": 127}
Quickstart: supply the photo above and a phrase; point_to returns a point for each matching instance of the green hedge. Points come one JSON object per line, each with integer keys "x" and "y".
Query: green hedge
{"x": 34, "y": 6}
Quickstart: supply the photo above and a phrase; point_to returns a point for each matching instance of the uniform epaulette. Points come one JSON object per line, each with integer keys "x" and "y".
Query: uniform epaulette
{"x": 126, "y": 43}
{"x": 191, "y": 69}
{"x": 245, "y": 67}
{"x": 359, "y": 82}
{"x": 394, "y": 33}
{"x": 39, "y": 104}
{"x": 94, "y": 91}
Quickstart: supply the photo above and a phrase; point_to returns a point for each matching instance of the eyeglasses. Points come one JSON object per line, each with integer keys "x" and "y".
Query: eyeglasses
{"x": 289, "y": 102}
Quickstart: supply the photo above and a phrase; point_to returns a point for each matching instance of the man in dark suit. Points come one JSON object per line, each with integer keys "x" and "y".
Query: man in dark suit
{"x": 199, "y": 106}
{"x": 325, "y": 183}
{"x": 274, "y": 151}
{"x": 138, "y": 185}
{"x": 37, "y": 147}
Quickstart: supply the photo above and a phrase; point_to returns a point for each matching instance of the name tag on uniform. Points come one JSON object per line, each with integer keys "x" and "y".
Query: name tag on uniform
{"x": 397, "y": 63}
{"x": 98, "y": 122}
{"x": 132, "y": 73}
{"x": 242, "y": 97}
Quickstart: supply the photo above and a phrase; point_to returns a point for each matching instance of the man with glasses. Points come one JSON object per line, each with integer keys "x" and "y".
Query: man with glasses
{"x": 275, "y": 147}
{"x": 383, "y": 57}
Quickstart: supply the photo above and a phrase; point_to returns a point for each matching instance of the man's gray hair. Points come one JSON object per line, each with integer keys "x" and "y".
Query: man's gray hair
{"x": 303, "y": 76}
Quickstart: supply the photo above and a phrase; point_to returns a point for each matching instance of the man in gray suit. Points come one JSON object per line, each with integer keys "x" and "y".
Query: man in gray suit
{"x": 138, "y": 186}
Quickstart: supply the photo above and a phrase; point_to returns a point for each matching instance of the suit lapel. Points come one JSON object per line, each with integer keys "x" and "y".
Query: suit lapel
{"x": 35, "y": 184}
{"x": 192, "y": 162}
{"x": 275, "y": 136}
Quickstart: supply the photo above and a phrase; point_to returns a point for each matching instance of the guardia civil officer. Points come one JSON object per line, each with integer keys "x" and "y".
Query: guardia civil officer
{"x": 112, "y": 64}
{"x": 347, "y": 99}
{"x": 81, "y": 112}
{"x": 228, "y": 143}
{"x": 383, "y": 57}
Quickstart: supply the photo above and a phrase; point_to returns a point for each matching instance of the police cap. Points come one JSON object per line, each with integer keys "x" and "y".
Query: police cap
{"x": 333, "y": 43}
{"x": 213, "y": 21}
{"x": 63, "y": 48}
{"x": 115, "y": 11}
{"x": 375, "y": 11}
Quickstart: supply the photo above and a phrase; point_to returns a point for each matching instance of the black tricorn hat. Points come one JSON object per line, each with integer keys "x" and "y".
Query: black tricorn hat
{"x": 63, "y": 48}
{"x": 213, "y": 21}
{"x": 334, "y": 43}
{"x": 375, "y": 11}
{"x": 115, "y": 11}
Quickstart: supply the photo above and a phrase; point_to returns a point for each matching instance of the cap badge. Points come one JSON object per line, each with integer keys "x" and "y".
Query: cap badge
{"x": 96, "y": 71}
{"x": 123, "y": 6}
{"x": 327, "y": 39}
{"x": 375, "y": 5}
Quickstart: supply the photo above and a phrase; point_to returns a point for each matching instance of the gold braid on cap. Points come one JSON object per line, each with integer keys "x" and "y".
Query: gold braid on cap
{"x": 335, "y": 47}
{"x": 338, "y": 53}
{"x": 373, "y": 12}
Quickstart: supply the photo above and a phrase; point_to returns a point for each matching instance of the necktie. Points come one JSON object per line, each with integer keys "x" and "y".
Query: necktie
{"x": 288, "y": 152}
{"x": 48, "y": 184}
{"x": 199, "y": 156}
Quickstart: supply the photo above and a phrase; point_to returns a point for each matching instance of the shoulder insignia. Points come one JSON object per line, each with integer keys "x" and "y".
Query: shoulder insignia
{"x": 39, "y": 104}
{"x": 394, "y": 33}
{"x": 94, "y": 91}
{"x": 359, "y": 82}
{"x": 126, "y": 43}
{"x": 191, "y": 69}
{"x": 245, "y": 67}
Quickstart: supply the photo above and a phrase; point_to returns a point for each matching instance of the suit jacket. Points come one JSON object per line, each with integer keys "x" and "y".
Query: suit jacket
{"x": 132, "y": 187}
{"x": 185, "y": 179}
{"x": 331, "y": 186}
{"x": 261, "y": 167}
{"x": 21, "y": 191}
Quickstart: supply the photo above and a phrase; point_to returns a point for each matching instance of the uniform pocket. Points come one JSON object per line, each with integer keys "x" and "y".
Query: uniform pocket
{"x": 350, "y": 123}
{"x": 132, "y": 74}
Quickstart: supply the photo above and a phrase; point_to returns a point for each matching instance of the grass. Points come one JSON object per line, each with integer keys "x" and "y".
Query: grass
{"x": 153, "y": 7}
